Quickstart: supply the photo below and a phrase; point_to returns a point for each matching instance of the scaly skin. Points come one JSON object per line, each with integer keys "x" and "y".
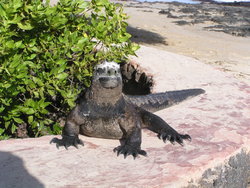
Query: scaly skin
{"x": 104, "y": 112}
{"x": 158, "y": 101}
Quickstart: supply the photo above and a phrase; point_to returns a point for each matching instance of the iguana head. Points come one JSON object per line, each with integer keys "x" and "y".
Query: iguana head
{"x": 106, "y": 87}
{"x": 108, "y": 75}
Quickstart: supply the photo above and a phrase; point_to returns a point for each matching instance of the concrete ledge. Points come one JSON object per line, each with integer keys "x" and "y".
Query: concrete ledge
{"x": 218, "y": 156}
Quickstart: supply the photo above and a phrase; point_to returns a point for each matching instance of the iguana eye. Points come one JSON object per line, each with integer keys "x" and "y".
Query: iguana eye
{"x": 99, "y": 71}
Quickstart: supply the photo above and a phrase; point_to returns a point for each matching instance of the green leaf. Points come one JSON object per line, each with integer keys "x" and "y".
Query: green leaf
{"x": 13, "y": 128}
{"x": 28, "y": 111}
{"x": 2, "y": 108}
{"x": 6, "y": 124}
{"x": 32, "y": 56}
{"x": 30, "y": 84}
{"x": 38, "y": 81}
{"x": 135, "y": 47}
{"x": 34, "y": 49}
{"x": 47, "y": 121}
{"x": 81, "y": 43}
{"x": 30, "y": 103}
{"x": 6, "y": 85}
{"x": 41, "y": 92}
{"x": 101, "y": 2}
{"x": 30, "y": 64}
{"x": 25, "y": 26}
{"x": 10, "y": 44}
{"x": 57, "y": 129}
{"x": 36, "y": 94}
{"x": 61, "y": 68}
{"x": 61, "y": 62}
{"x": 30, "y": 119}
{"x": 17, "y": 19}
{"x": 44, "y": 111}
{"x": 17, "y": 4}
{"x": 59, "y": 20}
{"x": 43, "y": 104}
{"x": 75, "y": 49}
{"x": 83, "y": 4}
{"x": 15, "y": 61}
{"x": 18, "y": 120}
{"x": 124, "y": 38}
{"x": 19, "y": 44}
{"x": 62, "y": 76}
{"x": 1, "y": 131}
{"x": 71, "y": 102}
{"x": 2, "y": 11}
{"x": 51, "y": 92}
{"x": 22, "y": 75}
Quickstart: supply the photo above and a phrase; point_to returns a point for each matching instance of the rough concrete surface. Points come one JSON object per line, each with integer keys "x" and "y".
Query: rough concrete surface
{"x": 218, "y": 156}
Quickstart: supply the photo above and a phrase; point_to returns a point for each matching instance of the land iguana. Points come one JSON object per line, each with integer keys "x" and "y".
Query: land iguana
{"x": 105, "y": 112}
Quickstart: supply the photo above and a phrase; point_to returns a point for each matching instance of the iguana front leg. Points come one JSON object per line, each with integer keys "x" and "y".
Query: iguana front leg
{"x": 131, "y": 141}
{"x": 164, "y": 131}
{"x": 70, "y": 131}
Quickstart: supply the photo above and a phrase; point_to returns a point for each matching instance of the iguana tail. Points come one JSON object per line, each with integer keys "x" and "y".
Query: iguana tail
{"x": 158, "y": 101}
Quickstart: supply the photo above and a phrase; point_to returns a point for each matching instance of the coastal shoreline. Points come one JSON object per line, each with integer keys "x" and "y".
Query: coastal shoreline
{"x": 217, "y": 35}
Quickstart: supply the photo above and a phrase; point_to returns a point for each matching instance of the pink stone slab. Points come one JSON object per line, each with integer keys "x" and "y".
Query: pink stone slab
{"x": 218, "y": 121}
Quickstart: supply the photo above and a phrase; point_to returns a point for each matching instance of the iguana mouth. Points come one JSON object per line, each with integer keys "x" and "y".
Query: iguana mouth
{"x": 109, "y": 82}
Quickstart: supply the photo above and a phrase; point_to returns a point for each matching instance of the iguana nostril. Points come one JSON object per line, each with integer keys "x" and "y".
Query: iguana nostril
{"x": 104, "y": 79}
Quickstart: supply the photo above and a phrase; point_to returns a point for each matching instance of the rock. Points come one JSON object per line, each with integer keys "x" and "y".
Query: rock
{"x": 218, "y": 155}
{"x": 182, "y": 22}
{"x": 234, "y": 20}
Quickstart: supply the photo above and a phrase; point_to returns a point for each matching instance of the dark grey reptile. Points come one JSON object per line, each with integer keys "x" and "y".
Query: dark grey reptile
{"x": 105, "y": 112}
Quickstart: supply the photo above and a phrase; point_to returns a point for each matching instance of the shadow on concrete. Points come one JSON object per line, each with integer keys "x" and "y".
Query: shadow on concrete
{"x": 144, "y": 36}
{"x": 14, "y": 174}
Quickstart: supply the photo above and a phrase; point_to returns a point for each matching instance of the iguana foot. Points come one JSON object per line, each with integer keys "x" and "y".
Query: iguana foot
{"x": 173, "y": 136}
{"x": 67, "y": 141}
{"x": 129, "y": 150}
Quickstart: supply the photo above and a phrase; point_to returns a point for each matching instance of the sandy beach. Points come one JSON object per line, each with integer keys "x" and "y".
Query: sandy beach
{"x": 214, "y": 34}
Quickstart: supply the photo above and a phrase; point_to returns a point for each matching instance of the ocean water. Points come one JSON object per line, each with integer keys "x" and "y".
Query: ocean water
{"x": 181, "y": 1}
{"x": 193, "y": 2}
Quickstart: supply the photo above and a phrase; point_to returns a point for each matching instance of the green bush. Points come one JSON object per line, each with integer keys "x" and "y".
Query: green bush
{"x": 47, "y": 53}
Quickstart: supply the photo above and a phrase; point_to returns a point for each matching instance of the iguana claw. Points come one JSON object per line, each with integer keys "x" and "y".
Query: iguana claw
{"x": 67, "y": 141}
{"x": 127, "y": 150}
